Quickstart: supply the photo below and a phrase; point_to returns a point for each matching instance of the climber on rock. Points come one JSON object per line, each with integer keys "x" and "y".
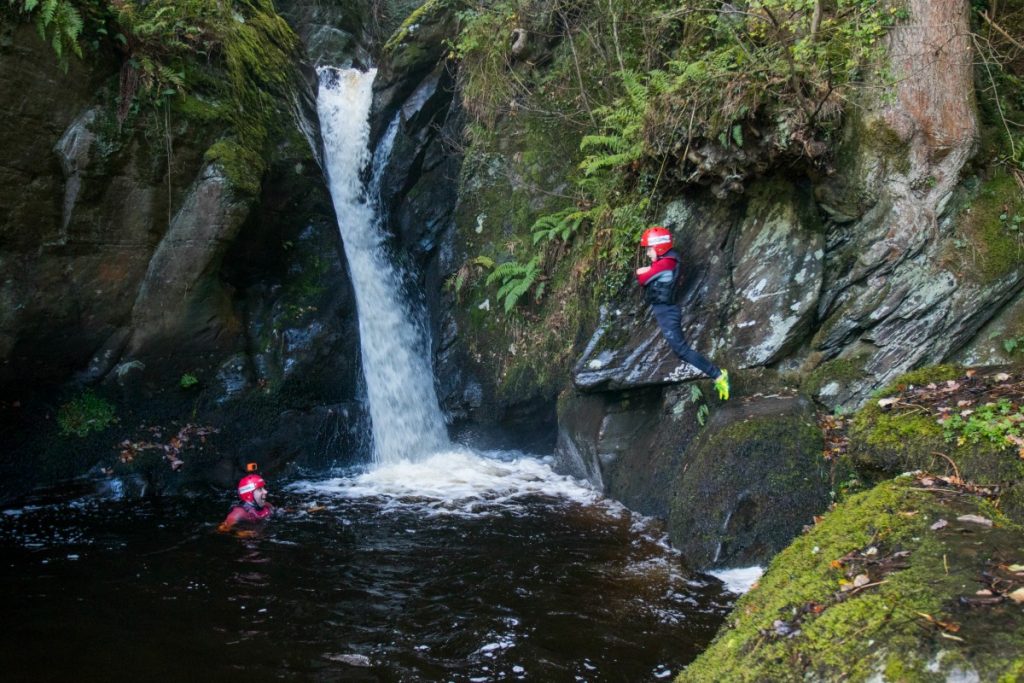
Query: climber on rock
{"x": 659, "y": 282}
{"x": 254, "y": 508}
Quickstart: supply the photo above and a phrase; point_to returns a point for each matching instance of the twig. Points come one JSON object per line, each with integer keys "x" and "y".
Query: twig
{"x": 579, "y": 73}
{"x": 995, "y": 96}
{"x": 615, "y": 35}
{"x": 1001, "y": 30}
{"x": 867, "y": 585}
{"x": 956, "y": 470}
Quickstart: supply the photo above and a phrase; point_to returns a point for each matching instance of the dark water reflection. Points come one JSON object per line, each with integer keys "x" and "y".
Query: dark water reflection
{"x": 361, "y": 590}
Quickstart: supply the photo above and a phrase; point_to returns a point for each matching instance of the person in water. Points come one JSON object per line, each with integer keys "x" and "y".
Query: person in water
{"x": 659, "y": 283}
{"x": 253, "y": 492}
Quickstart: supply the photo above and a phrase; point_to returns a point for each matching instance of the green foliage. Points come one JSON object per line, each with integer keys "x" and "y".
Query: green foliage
{"x": 58, "y": 22}
{"x": 559, "y": 225}
{"x": 1013, "y": 344}
{"x": 516, "y": 279}
{"x": 188, "y": 380}
{"x": 767, "y": 80}
{"x": 84, "y": 414}
{"x": 996, "y": 422}
{"x": 621, "y": 142}
{"x": 697, "y": 396}
{"x": 227, "y": 63}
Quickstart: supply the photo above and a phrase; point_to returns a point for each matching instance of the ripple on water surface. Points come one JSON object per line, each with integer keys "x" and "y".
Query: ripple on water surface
{"x": 462, "y": 567}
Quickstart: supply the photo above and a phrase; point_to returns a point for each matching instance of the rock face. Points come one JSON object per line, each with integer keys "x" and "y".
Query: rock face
{"x": 831, "y": 283}
{"x": 853, "y": 268}
{"x": 734, "y": 492}
{"x": 749, "y": 484}
{"x": 141, "y": 271}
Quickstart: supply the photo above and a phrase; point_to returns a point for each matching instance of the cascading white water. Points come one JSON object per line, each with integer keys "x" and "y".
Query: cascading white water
{"x": 407, "y": 422}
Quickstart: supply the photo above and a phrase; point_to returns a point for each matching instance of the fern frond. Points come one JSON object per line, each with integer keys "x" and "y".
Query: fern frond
{"x": 47, "y": 11}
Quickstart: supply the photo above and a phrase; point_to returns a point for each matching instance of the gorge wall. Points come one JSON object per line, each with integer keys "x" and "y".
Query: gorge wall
{"x": 141, "y": 263}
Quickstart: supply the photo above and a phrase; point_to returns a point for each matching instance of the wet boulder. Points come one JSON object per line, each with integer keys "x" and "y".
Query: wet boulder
{"x": 735, "y": 481}
{"x": 749, "y": 483}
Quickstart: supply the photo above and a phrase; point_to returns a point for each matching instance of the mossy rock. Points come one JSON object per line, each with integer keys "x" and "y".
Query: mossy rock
{"x": 423, "y": 37}
{"x": 913, "y": 621}
{"x": 907, "y": 438}
{"x": 831, "y": 382}
{"x": 749, "y": 484}
{"x": 989, "y": 242}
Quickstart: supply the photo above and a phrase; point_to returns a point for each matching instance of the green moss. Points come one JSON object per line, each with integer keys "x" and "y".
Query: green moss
{"x": 841, "y": 370}
{"x": 84, "y": 414}
{"x": 532, "y": 348}
{"x": 417, "y": 17}
{"x": 989, "y": 243}
{"x": 879, "y": 629}
{"x": 922, "y": 377}
{"x": 757, "y": 462}
{"x": 908, "y": 437}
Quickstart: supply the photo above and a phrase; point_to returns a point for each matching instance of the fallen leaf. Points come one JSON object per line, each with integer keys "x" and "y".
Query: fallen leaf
{"x": 949, "y": 626}
{"x": 861, "y": 580}
{"x": 963, "y": 404}
{"x": 1016, "y": 567}
{"x": 871, "y": 552}
{"x": 983, "y": 591}
{"x": 1001, "y": 377}
{"x": 886, "y": 402}
{"x": 835, "y": 564}
{"x": 975, "y": 519}
{"x": 971, "y": 373}
{"x": 1017, "y": 596}
{"x": 941, "y": 524}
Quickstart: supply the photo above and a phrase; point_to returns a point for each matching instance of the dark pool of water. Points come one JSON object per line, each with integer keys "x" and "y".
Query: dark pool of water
{"x": 361, "y": 590}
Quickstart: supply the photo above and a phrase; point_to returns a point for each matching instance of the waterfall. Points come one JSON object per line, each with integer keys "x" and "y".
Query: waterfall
{"x": 407, "y": 422}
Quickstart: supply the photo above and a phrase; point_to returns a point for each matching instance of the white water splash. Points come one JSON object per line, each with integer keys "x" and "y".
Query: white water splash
{"x": 739, "y": 580}
{"x": 462, "y": 482}
{"x": 407, "y": 422}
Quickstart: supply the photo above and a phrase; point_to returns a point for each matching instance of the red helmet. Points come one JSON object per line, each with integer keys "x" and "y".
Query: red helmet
{"x": 248, "y": 484}
{"x": 658, "y": 237}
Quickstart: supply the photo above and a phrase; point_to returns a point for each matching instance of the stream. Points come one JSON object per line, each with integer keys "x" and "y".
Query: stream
{"x": 496, "y": 569}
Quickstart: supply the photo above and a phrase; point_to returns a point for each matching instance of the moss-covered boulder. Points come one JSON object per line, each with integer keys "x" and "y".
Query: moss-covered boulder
{"x": 906, "y": 582}
{"x": 908, "y": 427}
{"x": 749, "y": 484}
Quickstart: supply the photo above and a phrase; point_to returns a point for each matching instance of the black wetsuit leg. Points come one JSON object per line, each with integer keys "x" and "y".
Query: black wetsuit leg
{"x": 670, "y": 323}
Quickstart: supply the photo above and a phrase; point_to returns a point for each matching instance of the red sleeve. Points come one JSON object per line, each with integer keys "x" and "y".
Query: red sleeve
{"x": 236, "y": 515}
{"x": 659, "y": 266}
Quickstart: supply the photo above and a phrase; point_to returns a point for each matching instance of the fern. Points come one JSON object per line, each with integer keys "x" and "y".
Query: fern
{"x": 561, "y": 225}
{"x": 621, "y": 143}
{"x": 58, "y": 22}
{"x": 516, "y": 279}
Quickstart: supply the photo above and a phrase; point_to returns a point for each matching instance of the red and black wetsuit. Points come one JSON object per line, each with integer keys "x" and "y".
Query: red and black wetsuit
{"x": 659, "y": 285}
{"x": 246, "y": 512}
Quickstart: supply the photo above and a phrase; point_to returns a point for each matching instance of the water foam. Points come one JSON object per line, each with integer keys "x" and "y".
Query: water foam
{"x": 460, "y": 481}
{"x": 738, "y": 580}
